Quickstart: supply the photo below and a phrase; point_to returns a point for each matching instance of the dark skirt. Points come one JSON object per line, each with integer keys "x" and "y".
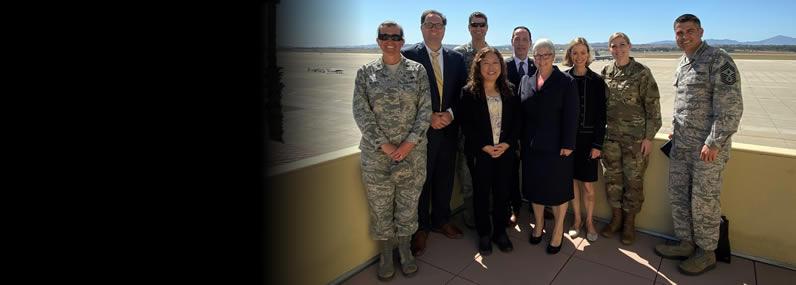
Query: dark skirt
{"x": 585, "y": 167}
{"x": 547, "y": 178}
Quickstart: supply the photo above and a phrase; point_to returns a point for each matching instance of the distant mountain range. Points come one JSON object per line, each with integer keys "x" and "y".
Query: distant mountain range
{"x": 777, "y": 40}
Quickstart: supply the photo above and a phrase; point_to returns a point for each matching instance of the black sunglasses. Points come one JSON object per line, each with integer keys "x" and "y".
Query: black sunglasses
{"x": 477, "y": 25}
{"x": 385, "y": 37}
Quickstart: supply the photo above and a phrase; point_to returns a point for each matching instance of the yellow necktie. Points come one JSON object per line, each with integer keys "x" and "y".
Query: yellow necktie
{"x": 437, "y": 74}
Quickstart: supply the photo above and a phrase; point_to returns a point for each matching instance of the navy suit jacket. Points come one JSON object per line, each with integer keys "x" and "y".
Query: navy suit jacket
{"x": 513, "y": 76}
{"x": 454, "y": 78}
{"x": 550, "y": 115}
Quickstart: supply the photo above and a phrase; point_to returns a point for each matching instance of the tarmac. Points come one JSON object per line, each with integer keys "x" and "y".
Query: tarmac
{"x": 318, "y": 115}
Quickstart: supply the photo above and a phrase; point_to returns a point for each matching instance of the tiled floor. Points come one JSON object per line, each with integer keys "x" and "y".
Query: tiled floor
{"x": 605, "y": 261}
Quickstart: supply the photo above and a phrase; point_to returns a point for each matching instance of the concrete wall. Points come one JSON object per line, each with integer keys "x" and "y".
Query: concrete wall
{"x": 324, "y": 217}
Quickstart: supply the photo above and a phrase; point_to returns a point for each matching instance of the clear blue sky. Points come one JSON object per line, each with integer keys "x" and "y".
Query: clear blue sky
{"x": 353, "y": 22}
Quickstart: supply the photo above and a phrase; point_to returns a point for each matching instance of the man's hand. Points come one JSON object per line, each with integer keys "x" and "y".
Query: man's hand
{"x": 403, "y": 150}
{"x": 708, "y": 154}
{"x": 440, "y": 120}
{"x": 646, "y": 147}
{"x": 565, "y": 152}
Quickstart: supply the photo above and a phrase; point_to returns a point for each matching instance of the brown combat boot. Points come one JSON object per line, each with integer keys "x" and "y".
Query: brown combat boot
{"x": 629, "y": 229}
{"x": 615, "y": 224}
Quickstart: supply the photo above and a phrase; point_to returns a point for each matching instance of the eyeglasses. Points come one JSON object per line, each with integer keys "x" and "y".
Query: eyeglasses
{"x": 430, "y": 25}
{"x": 477, "y": 25}
{"x": 385, "y": 37}
{"x": 542, "y": 56}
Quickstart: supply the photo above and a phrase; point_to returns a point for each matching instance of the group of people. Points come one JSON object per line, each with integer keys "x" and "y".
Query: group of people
{"x": 521, "y": 128}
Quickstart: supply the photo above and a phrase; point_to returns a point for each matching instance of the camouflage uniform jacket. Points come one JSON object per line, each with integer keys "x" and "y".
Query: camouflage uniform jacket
{"x": 469, "y": 53}
{"x": 633, "y": 109}
{"x": 392, "y": 107}
{"x": 707, "y": 100}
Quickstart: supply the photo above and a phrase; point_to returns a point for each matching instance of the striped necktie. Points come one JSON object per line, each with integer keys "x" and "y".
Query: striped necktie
{"x": 437, "y": 75}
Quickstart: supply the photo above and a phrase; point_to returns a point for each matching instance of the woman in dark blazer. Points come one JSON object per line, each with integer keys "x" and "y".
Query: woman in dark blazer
{"x": 591, "y": 132}
{"x": 489, "y": 113}
{"x": 550, "y": 122}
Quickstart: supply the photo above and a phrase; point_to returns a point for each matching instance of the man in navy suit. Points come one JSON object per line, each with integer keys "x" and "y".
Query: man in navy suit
{"x": 516, "y": 67}
{"x": 446, "y": 75}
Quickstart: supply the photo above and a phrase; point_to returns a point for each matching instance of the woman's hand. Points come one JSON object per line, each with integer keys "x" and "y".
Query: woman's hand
{"x": 595, "y": 153}
{"x": 646, "y": 147}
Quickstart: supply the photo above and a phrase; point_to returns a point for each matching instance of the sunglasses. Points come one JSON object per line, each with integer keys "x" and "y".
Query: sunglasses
{"x": 477, "y": 25}
{"x": 542, "y": 56}
{"x": 385, "y": 37}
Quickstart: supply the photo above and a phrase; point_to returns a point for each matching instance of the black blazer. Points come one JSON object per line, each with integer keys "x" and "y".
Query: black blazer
{"x": 454, "y": 78}
{"x": 477, "y": 126}
{"x": 592, "y": 107}
{"x": 550, "y": 115}
{"x": 513, "y": 76}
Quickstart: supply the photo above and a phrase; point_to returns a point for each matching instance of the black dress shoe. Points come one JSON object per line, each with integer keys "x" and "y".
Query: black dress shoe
{"x": 485, "y": 245}
{"x": 555, "y": 249}
{"x": 504, "y": 243}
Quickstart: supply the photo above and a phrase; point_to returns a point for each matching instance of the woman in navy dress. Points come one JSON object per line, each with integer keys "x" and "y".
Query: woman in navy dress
{"x": 550, "y": 122}
{"x": 591, "y": 133}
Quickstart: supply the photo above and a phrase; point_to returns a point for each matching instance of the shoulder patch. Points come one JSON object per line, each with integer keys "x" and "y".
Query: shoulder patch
{"x": 728, "y": 74}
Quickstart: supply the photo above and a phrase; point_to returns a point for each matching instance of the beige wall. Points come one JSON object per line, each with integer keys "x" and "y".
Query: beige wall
{"x": 323, "y": 215}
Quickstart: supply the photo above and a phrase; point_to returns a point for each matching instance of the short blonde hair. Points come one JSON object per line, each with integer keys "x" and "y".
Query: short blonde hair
{"x": 568, "y": 55}
{"x": 617, "y": 35}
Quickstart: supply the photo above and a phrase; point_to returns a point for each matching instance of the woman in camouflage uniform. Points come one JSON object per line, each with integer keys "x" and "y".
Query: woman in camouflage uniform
{"x": 633, "y": 115}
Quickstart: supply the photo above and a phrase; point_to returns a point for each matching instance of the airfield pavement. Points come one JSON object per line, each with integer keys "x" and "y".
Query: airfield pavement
{"x": 318, "y": 117}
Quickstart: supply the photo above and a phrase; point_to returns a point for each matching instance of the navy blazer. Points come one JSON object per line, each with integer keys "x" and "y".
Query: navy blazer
{"x": 550, "y": 115}
{"x": 592, "y": 107}
{"x": 477, "y": 125}
{"x": 454, "y": 77}
{"x": 513, "y": 76}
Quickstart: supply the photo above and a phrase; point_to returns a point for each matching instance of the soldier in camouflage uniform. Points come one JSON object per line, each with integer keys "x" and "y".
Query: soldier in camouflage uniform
{"x": 633, "y": 117}
{"x": 393, "y": 110}
{"x": 707, "y": 111}
{"x": 478, "y": 27}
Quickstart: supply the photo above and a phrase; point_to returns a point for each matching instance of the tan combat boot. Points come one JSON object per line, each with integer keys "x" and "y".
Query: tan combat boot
{"x": 629, "y": 229}
{"x": 700, "y": 262}
{"x": 408, "y": 264}
{"x": 682, "y": 250}
{"x": 386, "y": 267}
{"x": 615, "y": 224}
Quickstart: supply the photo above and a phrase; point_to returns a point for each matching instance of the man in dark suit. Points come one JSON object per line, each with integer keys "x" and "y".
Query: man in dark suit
{"x": 446, "y": 75}
{"x": 516, "y": 67}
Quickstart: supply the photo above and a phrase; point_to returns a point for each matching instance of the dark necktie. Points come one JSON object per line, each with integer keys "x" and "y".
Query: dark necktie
{"x": 522, "y": 70}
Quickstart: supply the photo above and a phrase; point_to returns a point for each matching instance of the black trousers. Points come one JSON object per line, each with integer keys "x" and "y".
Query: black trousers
{"x": 515, "y": 199}
{"x": 491, "y": 176}
{"x": 439, "y": 181}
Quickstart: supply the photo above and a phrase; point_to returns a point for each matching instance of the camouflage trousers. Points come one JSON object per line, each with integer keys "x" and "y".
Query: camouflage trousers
{"x": 463, "y": 172}
{"x": 694, "y": 188}
{"x": 623, "y": 169}
{"x": 393, "y": 190}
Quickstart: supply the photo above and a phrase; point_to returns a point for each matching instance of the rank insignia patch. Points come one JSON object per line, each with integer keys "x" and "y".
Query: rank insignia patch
{"x": 728, "y": 74}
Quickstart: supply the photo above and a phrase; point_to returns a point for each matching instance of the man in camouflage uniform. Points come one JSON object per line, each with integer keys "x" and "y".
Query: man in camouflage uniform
{"x": 707, "y": 111}
{"x": 478, "y": 27}
{"x": 393, "y": 110}
{"x": 633, "y": 117}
